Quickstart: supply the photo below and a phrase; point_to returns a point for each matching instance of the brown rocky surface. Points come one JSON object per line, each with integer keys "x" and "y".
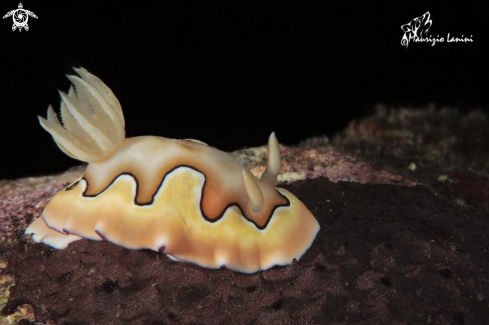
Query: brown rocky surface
{"x": 390, "y": 251}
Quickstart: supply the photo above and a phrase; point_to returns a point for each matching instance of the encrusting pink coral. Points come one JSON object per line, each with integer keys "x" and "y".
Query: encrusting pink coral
{"x": 191, "y": 201}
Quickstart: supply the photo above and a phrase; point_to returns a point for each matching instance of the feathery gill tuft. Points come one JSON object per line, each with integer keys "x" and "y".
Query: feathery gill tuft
{"x": 92, "y": 118}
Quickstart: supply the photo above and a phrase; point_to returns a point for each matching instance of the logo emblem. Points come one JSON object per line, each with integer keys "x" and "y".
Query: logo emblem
{"x": 20, "y": 17}
{"x": 417, "y": 28}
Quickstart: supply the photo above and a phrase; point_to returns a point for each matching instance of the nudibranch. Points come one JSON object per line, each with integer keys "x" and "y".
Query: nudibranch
{"x": 183, "y": 198}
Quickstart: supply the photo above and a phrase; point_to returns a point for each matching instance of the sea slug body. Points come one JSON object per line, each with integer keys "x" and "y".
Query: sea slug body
{"x": 184, "y": 198}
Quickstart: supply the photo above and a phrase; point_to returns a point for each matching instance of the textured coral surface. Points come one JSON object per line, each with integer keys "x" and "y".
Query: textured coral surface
{"x": 23, "y": 200}
{"x": 389, "y": 252}
{"x": 385, "y": 255}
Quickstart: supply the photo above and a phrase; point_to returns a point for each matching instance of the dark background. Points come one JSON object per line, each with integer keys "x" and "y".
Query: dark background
{"x": 229, "y": 73}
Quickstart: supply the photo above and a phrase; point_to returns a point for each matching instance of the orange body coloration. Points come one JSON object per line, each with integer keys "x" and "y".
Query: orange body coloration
{"x": 193, "y": 202}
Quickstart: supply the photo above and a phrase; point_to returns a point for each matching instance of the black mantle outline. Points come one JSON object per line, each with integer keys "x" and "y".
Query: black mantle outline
{"x": 201, "y": 197}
